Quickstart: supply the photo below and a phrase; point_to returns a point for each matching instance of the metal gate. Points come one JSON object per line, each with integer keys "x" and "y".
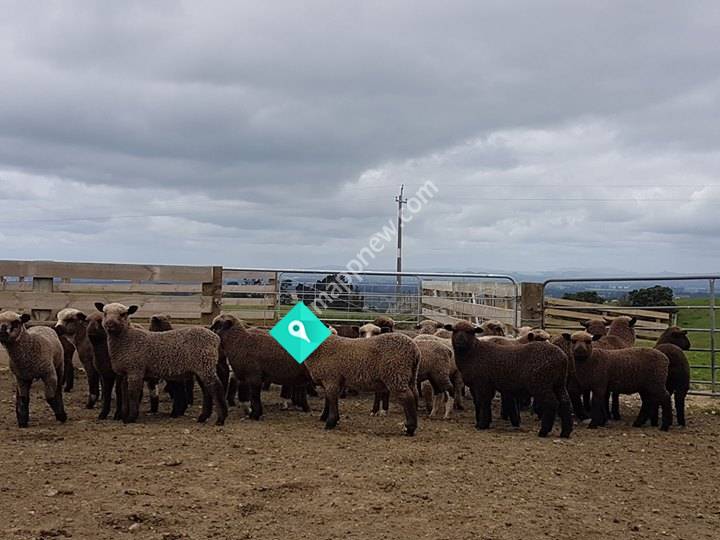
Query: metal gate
{"x": 343, "y": 297}
{"x": 698, "y": 309}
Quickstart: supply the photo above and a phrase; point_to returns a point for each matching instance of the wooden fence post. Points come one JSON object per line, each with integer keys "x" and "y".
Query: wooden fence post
{"x": 531, "y": 304}
{"x": 213, "y": 289}
{"x": 42, "y": 285}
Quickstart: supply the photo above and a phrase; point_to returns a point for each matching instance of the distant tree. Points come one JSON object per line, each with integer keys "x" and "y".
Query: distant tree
{"x": 591, "y": 297}
{"x": 651, "y": 296}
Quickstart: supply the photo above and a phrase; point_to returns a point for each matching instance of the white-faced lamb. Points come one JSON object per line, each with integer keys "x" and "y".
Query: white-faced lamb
{"x": 136, "y": 354}
{"x": 625, "y": 371}
{"x": 34, "y": 353}
{"x": 538, "y": 368}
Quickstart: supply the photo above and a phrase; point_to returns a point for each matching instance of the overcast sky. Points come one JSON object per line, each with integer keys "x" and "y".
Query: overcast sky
{"x": 581, "y": 135}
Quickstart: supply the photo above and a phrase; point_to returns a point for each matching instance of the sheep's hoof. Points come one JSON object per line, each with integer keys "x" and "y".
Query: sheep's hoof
{"x": 330, "y": 425}
{"x": 409, "y": 430}
{"x": 203, "y": 418}
{"x": 220, "y": 422}
{"x": 382, "y": 412}
{"x": 543, "y": 433}
{"x": 22, "y": 425}
{"x": 592, "y": 426}
{"x": 481, "y": 427}
{"x": 665, "y": 428}
{"x": 102, "y": 416}
{"x": 61, "y": 417}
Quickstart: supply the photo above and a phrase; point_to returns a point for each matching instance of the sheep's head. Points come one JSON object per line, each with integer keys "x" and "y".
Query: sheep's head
{"x": 581, "y": 343}
{"x": 95, "y": 328}
{"x": 596, "y": 327}
{"x": 69, "y": 321}
{"x": 12, "y": 326}
{"x": 677, "y": 336}
{"x": 370, "y": 330}
{"x": 463, "y": 334}
{"x": 537, "y": 334}
{"x": 493, "y": 328}
{"x": 225, "y": 322}
{"x": 386, "y": 323}
{"x": 160, "y": 322}
{"x": 332, "y": 329}
{"x": 116, "y": 317}
{"x": 564, "y": 341}
{"x": 428, "y": 326}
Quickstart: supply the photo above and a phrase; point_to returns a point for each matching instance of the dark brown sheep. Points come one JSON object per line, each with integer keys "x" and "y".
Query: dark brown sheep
{"x": 538, "y": 368}
{"x": 71, "y": 324}
{"x": 625, "y": 371}
{"x": 672, "y": 342}
{"x": 256, "y": 358}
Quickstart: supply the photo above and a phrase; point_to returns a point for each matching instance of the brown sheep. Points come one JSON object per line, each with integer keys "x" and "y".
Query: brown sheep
{"x": 540, "y": 369}
{"x": 71, "y": 324}
{"x": 672, "y": 342}
{"x": 256, "y": 358}
{"x": 136, "y": 354}
{"x": 34, "y": 353}
{"x": 625, "y": 371}
{"x": 386, "y": 363}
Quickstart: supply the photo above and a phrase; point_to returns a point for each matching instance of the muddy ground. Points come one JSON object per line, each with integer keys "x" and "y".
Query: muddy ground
{"x": 285, "y": 477}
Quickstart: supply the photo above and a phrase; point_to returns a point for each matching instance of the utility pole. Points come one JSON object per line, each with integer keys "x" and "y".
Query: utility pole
{"x": 399, "y": 199}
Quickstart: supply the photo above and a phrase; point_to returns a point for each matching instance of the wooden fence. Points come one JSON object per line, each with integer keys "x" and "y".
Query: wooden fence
{"x": 451, "y": 301}
{"x": 189, "y": 294}
{"x": 567, "y": 315}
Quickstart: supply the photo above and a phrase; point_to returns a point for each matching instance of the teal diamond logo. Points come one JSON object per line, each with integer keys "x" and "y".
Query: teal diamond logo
{"x": 300, "y": 332}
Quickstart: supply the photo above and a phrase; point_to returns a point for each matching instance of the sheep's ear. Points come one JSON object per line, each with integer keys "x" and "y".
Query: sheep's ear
{"x": 417, "y": 326}
{"x": 448, "y": 327}
{"x": 531, "y": 336}
{"x": 99, "y": 306}
{"x": 595, "y": 337}
{"x": 81, "y": 316}
{"x": 633, "y": 320}
{"x": 567, "y": 336}
{"x": 25, "y": 317}
{"x": 385, "y": 330}
{"x": 585, "y": 324}
{"x": 132, "y": 309}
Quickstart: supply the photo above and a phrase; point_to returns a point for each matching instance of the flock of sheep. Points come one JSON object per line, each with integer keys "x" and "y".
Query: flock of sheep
{"x": 576, "y": 374}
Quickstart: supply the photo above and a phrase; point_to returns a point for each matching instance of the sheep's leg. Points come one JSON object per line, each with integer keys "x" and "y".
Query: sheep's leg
{"x": 326, "y": 410}
{"x": 549, "y": 406}
{"x": 108, "y": 381}
{"x": 680, "y": 406}
{"x": 597, "y": 412}
{"x": 458, "y": 388}
{"x": 232, "y": 388}
{"x": 177, "y": 392}
{"x": 646, "y": 407}
{"x": 286, "y": 395}
{"x": 509, "y": 403}
{"x": 22, "y": 402}
{"x": 483, "y": 396}
{"x": 189, "y": 389}
{"x": 93, "y": 378}
{"x": 134, "y": 386}
{"x": 311, "y": 390}
{"x": 223, "y": 373}
{"x": 654, "y": 414}
{"x": 243, "y": 396}
{"x": 124, "y": 403}
{"x": 406, "y": 398}
{"x": 381, "y": 404}
{"x": 587, "y": 401}
{"x": 119, "y": 399}
{"x": 299, "y": 397}
{"x": 256, "y": 409}
{"x": 69, "y": 373}
{"x": 331, "y": 402}
{"x": 566, "y": 421}
{"x": 573, "y": 388}
{"x": 616, "y": 406}
{"x": 207, "y": 403}
{"x": 213, "y": 388}
{"x": 53, "y": 395}
{"x": 666, "y": 406}
{"x": 152, "y": 385}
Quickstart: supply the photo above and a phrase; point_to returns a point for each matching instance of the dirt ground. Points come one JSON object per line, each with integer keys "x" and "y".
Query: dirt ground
{"x": 286, "y": 477}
